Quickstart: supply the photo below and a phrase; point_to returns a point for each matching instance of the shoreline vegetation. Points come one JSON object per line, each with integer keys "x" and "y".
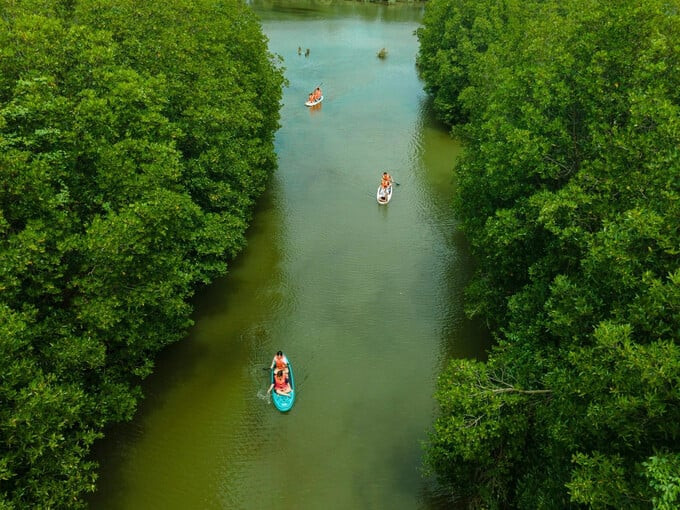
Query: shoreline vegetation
{"x": 135, "y": 139}
{"x": 569, "y": 193}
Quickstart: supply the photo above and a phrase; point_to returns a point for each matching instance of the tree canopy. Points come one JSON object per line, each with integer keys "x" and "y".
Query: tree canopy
{"x": 135, "y": 138}
{"x": 570, "y": 196}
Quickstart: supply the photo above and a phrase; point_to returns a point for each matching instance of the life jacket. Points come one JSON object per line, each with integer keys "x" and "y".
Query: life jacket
{"x": 280, "y": 383}
{"x": 280, "y": 362}
{"x": 385, "y": 181}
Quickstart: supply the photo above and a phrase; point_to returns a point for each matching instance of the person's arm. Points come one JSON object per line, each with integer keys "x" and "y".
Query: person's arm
{"x": 270, "y": 388}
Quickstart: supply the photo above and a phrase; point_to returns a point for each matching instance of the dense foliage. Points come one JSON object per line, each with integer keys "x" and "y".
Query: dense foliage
{"x": 134, "y": 140}
{"x": 570, "y": 196}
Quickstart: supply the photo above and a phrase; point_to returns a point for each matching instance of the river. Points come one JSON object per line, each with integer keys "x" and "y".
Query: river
{"x": 365, "y": 299}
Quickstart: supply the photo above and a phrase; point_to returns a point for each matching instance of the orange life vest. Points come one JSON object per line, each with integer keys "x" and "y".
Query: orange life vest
{"x": 280, "y": 362}
{"x": 280, "y": 383}
{"x": 386, "y": 180}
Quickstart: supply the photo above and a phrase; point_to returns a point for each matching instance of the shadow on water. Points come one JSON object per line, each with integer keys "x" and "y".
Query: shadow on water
{"x": 297, "y": 9}
{"x": 435, "y": 167}
{"x": 199, "y": 356}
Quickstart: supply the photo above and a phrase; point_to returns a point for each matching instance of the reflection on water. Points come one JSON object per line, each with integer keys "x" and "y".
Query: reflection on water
{"x": 283, "y": 10}
{"x": 365, "y": 299}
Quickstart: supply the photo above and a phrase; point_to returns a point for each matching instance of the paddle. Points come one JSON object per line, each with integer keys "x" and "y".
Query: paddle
{"x": 395, "y": 182}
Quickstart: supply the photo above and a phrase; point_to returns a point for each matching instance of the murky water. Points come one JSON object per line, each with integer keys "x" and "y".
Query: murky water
{"x": 364, "y": 299}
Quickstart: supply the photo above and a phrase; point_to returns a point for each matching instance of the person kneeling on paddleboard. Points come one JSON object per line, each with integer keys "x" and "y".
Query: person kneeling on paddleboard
{"x": 281, "y": 384}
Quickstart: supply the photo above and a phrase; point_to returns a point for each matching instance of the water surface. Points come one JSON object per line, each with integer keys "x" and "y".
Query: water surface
{"x": 364, "y": 299}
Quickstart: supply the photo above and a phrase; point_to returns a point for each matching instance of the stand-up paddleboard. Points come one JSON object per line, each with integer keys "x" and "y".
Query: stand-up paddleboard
{"x": 314, "y": 103}
{"x": 384, "y": 195}
{"x": 284, "y": 402}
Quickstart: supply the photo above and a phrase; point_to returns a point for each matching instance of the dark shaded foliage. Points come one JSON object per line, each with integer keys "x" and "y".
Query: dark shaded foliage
{"x": 135, "y": 138}
{"x": 570, "y": 198}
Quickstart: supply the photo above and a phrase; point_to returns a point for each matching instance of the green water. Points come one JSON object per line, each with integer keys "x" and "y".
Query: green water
{"x": 364, "y": 299}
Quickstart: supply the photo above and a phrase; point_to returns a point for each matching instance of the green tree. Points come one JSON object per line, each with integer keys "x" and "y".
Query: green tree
{"x": 569, "y": 196}
{"x": 132, "y": 150}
